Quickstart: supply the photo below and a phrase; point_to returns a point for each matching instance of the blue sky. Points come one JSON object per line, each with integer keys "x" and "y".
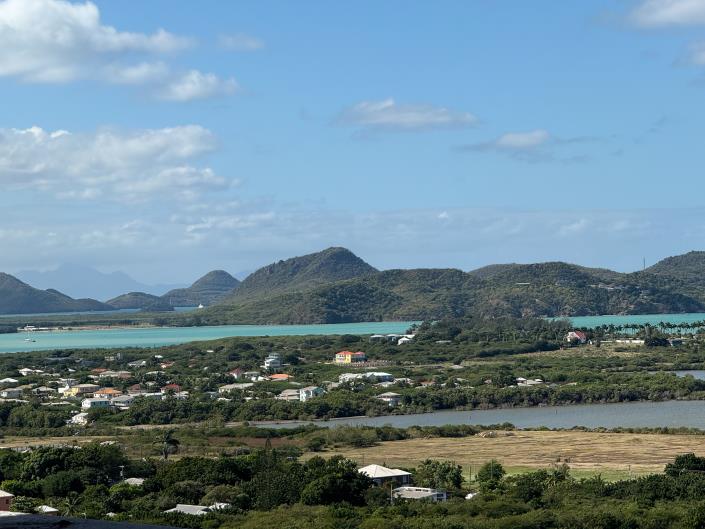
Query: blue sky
{"x": 169, "y": 138}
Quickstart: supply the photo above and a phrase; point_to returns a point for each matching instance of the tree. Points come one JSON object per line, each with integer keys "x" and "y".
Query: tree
{"x": 169, "y": 444}
{"x": 490, "y": 475}
{"x": 439, "y": 474}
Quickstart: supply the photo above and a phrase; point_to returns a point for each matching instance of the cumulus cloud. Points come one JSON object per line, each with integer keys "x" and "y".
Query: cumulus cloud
{"x": 663, "y": 13}
{"x": 387, "y": 115}
{"x": 136, "y": 166}
{"x": 240, "y": 42}
{"x": 197, "y": 85}
{"x": 58, "y": 41}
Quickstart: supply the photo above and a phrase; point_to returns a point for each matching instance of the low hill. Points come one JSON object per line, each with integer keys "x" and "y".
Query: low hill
{"x": 209, "y": 289}
{"x": 286, "y": 292}
{"x": 17, "y": 297}
{"x": 140, "y": 300}
{"x": 299, "y": 274}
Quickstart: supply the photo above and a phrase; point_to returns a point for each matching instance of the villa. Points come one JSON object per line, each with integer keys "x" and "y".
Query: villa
{"x": 381, "y": 475}
{"x": 348, "y": 357}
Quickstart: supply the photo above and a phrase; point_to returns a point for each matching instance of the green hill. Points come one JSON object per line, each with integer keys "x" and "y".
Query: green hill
{"x": 307, "y": 290}
{"x": 17, "y": 297}
{"x": 140, "y": 300}
{"x": 209, "y": 289}
{"x": 302, "y": 273}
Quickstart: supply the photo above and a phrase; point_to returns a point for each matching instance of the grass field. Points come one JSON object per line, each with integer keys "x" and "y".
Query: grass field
{"x": 613, "y": 455}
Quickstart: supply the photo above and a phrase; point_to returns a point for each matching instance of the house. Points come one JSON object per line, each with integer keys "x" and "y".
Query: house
{"x": 107, "y": 392}
{"x": 309, "y": 392}
{"x": 289, "y": 394}
{"x": 251, "y": 375}
{"x": 348, "y": 357}
{"x": 419, "y": 493}
{"x": 378, "y": 375}
{"x": 135, "y": 482}
{"x": 380, "y": 475}
{"x": 279, "y": 377}
{"x": 235, "y": 387}
{"x": 135, "y": 389}
{"x": 378, "y": 338}
{"x": 81, "y": 390}
{"x": 43, "y": 391}
{"x": 273, "y": 362}
{"x": 80, "y": 419}
{"x": 8, "y": 381}
{"x": 11, "y": 393}
{"x": 26, "y": 371}
{"x": 576, "y": 337}
{"x": 171, "y": 388}
{"x": 122, "y": 401}
{"x": 68, "y": 382}
{"x": 5, "y": 500}
{"x": 124, "y": 375}
{"x": 403, "y": 340}
{"x": 138, "y": 363}
{"x": 392, "y": 399}
{"x": 94, "y": 403}
{"x": 235, "y": 373}
{"x": 197, "y": 510}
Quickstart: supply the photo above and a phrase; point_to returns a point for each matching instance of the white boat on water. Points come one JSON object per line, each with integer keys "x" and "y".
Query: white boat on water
{"x": 200, "y": 306}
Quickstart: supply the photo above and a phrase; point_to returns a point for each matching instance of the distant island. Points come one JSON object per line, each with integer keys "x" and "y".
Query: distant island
{"x": 336, "y": 286}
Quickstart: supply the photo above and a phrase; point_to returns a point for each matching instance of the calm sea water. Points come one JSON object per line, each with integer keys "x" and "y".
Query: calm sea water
{"x": 158, "y": 336}
{"x": 627, "y": 415}
{"x": 641, "y": 319}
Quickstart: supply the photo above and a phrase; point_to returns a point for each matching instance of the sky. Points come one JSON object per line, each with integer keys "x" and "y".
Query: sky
{"x": 168, "y": 138}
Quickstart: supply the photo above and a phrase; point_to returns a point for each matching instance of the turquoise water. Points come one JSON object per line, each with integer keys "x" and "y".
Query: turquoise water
{"x": 158, "y": 336}
{"x": 641, "y": 319}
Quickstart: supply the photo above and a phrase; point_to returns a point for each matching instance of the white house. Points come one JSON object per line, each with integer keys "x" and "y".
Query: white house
{"x": 576, "y": 336}
{"x": 380, "y": 376}
{"x": 94, "y": 403}
{"x": 289, "y": 394}
{"x": 381, "y": 475}
{"x": 80, "y": 419}
{"x": 273, "y": 362}
{"x": 8, "y": 381}
{"x": 122, "y": 401}
{"x": 419, "y": 493}
{"x": 390, "y": 398}
{"x": 309, "y": 392}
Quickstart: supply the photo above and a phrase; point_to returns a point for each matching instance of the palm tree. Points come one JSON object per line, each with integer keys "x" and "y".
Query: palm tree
{"x": 168, "y": 443}
{"x": 71, "y": 504}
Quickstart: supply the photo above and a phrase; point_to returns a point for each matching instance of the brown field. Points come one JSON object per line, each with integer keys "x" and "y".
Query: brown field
{"x": 611, "y": 454}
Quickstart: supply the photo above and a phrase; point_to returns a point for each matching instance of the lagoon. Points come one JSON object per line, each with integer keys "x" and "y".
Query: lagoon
{"x": 160, "y": 336}
{"x": 639, "y": 319}
{"x": 672, "y": 414}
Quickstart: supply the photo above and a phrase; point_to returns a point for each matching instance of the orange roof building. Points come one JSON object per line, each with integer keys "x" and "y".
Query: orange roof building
{"x": 280, "y": 377}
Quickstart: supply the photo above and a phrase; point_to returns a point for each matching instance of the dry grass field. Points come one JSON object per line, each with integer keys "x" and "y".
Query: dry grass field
{"x": 609, "y": 454}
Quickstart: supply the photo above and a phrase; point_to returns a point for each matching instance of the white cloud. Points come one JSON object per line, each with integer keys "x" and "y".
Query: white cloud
{"x": 522, "y": 140}
{"x": 136, "y": 166}
{"x": 661, "y": 13}
{"x": 387, "y": 115}
{"x": 240, "y": 42}
{"x": 197, "y": 85}
{"x": 58, "y": 41}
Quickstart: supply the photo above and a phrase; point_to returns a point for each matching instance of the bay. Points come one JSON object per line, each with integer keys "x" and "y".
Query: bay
{"x": 672, "y": 414}
{"x": 639, "y": 319}
{"x": 159, "y": 336}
